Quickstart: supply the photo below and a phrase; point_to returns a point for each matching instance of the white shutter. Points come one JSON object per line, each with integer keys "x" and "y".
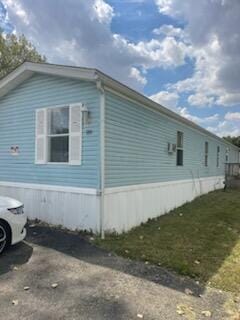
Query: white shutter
{"x": 75, "y": 134}
{"x": 41, "y": 136}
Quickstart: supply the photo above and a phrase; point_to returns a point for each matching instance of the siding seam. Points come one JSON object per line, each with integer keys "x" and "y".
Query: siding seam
{"x": 47, "y": 187}
{"x": 157, "y": 184}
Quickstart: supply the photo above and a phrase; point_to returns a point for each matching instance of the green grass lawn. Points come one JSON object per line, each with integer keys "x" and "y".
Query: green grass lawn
{"x": 200, "y": 239}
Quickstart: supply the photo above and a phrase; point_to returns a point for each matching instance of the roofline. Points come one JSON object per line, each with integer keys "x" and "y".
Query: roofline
{"x": 140, "y": 98}
{"x": 27, "y": 69}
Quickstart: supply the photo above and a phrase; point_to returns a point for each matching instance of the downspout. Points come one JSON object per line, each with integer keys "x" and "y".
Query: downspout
{"x": 102, "y": 155}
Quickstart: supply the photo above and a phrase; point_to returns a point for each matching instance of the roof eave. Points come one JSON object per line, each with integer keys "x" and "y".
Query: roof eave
{"x": 140, "y": 98}
{"x": 27, "y": 69}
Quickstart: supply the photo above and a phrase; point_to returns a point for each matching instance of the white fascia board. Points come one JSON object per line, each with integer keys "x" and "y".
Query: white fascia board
{"x": 27, "y": 69}
{"x": 13, "y": 79}
{"x": 63, "y": 71}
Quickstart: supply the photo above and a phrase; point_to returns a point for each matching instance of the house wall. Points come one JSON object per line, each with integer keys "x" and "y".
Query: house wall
{"x": 76, "y": 204}
{"x": 73, "y": 208}
{"x": 136, "y": 147}
{"x": 17, "y": 127}
{"x": 142, "y": 178}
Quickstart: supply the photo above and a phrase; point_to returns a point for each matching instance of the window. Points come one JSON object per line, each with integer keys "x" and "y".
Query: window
{"x": 227, "y": 155}
{"x": 206, "y": 154}
{"x": 179, "y": 148}
{"x": 58, "y": 135}
{"x": 218, "y": 156}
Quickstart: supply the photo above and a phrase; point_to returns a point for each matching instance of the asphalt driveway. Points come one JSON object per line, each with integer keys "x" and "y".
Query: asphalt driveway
{"x": 94, "y": 284}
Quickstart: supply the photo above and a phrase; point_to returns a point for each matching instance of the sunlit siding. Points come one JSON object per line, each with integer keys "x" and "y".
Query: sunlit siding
{"x": 17, "y": 127}
{"x": 136, "y": 147}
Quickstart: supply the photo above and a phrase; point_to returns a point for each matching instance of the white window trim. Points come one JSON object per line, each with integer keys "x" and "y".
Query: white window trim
{"x": 206, "y": 154}
{"x": 227, "y": 155}
{"x": 44, "y": 136}
{"x": 179, "y": 148}
{"x": 218, "y": 156}
{"x": 71, "y": 134}
{"x": 47, "y": 135}
{"x": 56, "y": 135}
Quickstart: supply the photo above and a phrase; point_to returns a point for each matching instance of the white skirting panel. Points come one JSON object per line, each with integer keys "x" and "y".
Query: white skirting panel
{"x": 127, "y": 207}
{"x": 72, "y": 208}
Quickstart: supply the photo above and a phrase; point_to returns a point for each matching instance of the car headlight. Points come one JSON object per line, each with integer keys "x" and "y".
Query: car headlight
{"x": 18, "y": 210}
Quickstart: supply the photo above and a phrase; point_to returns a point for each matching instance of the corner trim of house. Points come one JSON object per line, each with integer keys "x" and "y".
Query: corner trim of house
{"x": 157, "y": 184}
{"x": 90, "y": 191}
{"x": 101, "y": 89}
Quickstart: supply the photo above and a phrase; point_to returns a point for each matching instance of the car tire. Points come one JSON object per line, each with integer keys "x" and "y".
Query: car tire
{"x": 4, "y": 236}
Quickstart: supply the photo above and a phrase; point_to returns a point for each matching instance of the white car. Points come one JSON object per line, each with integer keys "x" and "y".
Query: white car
{"x": 12, "y": 222}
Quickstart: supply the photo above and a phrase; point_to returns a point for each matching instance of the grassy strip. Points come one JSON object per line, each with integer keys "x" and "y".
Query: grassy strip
{"x": 200, "y": 239}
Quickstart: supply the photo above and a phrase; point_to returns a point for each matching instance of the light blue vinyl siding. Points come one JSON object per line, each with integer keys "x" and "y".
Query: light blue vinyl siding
{"x": 136, "y": 147}
{"x": 17, "y": 127}
{"x": 136, "y": 139}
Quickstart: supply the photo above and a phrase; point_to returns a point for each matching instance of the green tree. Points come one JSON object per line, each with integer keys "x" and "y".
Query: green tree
{"x": 233, "y": 140}
{"x": 14, "y": 50}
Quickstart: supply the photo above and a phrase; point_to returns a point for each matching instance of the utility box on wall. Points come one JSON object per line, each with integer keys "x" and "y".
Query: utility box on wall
{"x": 171, "y": 148}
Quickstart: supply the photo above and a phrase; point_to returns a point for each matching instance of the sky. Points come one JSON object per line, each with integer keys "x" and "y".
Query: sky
{"x": 184, "y": 55}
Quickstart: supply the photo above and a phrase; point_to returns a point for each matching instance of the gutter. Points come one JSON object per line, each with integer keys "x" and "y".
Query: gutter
{"x": 102, "y": 155}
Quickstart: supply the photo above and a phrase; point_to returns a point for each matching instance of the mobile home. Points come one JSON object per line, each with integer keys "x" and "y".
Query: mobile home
{"x": 82, "y": 150}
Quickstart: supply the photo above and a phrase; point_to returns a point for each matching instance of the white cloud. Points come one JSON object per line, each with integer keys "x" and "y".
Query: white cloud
{"x": 211, "y": 28}
{"x": 225, "y": 128}
{"x": 170, "y": 31}
{"x": 19, "y": 10}
{"x": 199, "y": 120}
{"x": 80, "y": 34}
{"x": 221, "y": 128}
{"x": 229, "y": 99}
{"x": 170, "y": 100}
{"x": 228, "y": 126}
{"x": 166, "y": 99}
{"x": 167, "y": 7}
{"x": 136, "y": 74}
{"x": 200, "y": 100}
{"x": 155, "y": 53}
{"x": 133, "y": 1}
{"x": 235, "y": 116}
{"x": 104, "y": 11}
